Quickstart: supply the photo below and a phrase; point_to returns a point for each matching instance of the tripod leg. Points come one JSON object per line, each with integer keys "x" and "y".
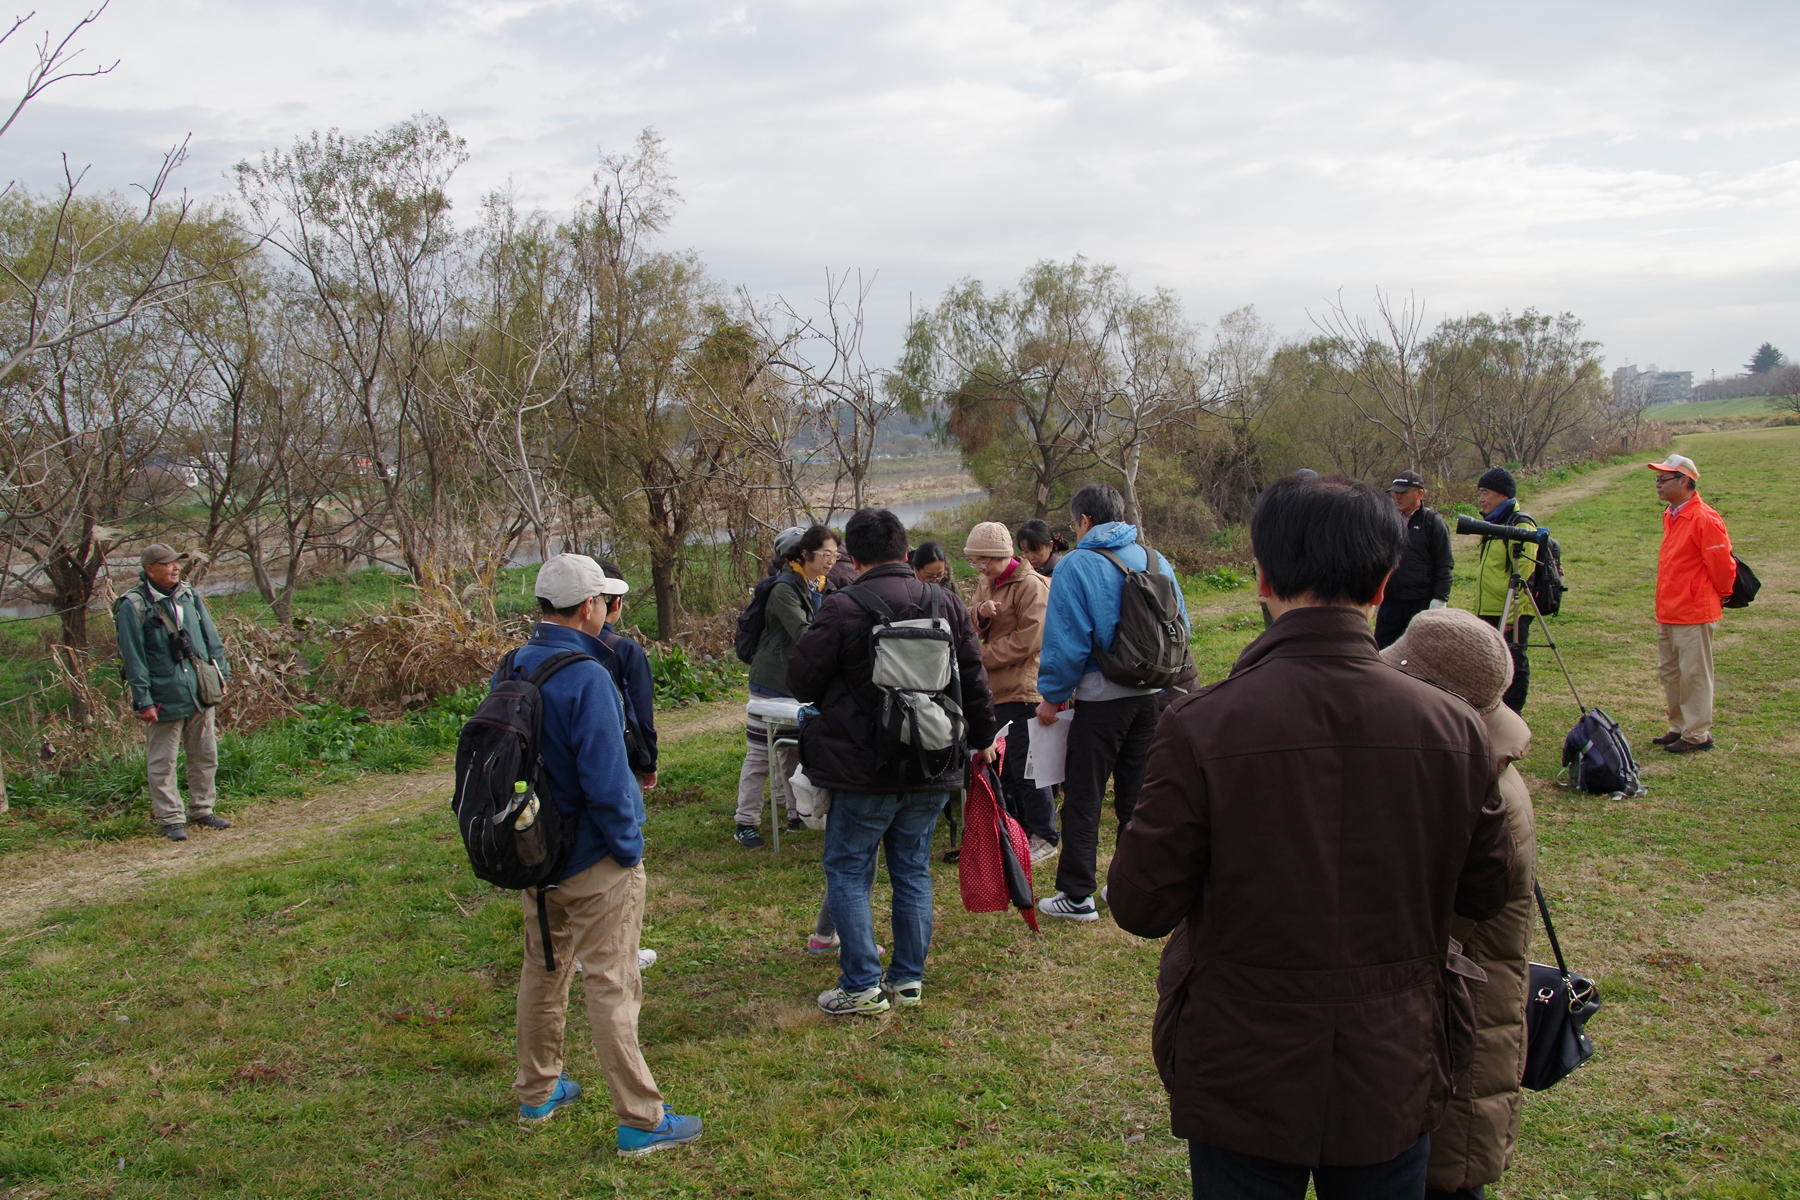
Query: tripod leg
{"x": 1550, "y": 640}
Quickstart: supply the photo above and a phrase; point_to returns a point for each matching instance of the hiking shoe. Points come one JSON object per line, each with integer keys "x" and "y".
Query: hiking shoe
{"x": 1667, "y": 739}
{"x": 675, "y": 1130}
{"x": 646, "y": 958}
{"x": 796, "y": 825}
{"x": 903, "y": 994}
{"x": 210, "y": 821}
{"x": 821, "y": 945}
{"x": 1681, "y": 747}
{"x": 567, "y": 1090}
{"x": 839, "y": 1003}
{"x": 749, "y": 839}
{"x": 1040, "y": 849}
{"x": 175, "y": 833}
{"x": 1060, "y": 905}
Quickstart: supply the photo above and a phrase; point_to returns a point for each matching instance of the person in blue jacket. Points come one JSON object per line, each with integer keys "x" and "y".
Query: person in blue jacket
{"x": 1109, "y": 736}
{"x": 596, "y": 910}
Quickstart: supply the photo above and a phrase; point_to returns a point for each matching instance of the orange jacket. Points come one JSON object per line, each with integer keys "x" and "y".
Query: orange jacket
{"x": 1695, "y": 570}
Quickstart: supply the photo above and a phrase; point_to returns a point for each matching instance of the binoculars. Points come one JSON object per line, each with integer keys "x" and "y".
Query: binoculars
{"x": 1511, "y": 533}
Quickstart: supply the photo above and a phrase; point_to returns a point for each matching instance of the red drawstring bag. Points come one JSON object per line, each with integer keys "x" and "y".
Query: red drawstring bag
{"x": 995, "y": 867}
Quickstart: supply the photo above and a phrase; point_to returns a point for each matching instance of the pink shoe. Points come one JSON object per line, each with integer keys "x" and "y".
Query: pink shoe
{"x": 818, "y": 945}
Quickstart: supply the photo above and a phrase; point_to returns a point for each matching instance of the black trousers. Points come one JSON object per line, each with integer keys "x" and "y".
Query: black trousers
{"x": 1228, "y": 1175}
{"x": 1031, "y": 806}
{"x": 1392, "y": 618}
{"x": 1107, "y": 738}
{"x": 1514, "y": 696}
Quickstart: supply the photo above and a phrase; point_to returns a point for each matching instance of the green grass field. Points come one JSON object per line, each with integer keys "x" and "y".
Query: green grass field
{"x": 1743, "y": 406}
{"x": 336, "y": 1020}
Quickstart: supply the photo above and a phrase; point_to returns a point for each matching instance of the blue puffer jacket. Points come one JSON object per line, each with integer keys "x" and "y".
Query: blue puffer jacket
{"x": 1084, "y": 606}
{"x": 583, "y": 747}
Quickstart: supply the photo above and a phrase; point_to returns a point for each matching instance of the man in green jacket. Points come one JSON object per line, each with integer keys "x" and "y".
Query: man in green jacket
{"x": 1496, "y": 561}
{"x": 165, "y": 688}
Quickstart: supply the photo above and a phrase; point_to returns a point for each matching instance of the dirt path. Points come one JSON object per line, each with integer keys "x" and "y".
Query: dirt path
{"x": 1545, "y": 503}
{"x": 103, "y": 872}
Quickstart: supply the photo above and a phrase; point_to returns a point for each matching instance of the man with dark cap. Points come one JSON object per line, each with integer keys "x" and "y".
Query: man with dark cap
{"x": 1498, "y": 560}
{"x": 1422, "y": 580}
{"x": 166, "y": 639}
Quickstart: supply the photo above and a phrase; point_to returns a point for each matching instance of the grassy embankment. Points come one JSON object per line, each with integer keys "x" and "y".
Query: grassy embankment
{"x": 340, "y": 1023}
{"x": 1742, "y": 406}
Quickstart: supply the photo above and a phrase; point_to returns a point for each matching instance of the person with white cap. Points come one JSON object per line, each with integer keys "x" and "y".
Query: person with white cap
{"x": 596, "y": 910}
{"x": 1695, "y": 571}
{"x": 166, "y": 639}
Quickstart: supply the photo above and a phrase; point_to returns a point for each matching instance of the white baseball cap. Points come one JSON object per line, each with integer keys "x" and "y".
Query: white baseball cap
{"x": 568, "y": 579}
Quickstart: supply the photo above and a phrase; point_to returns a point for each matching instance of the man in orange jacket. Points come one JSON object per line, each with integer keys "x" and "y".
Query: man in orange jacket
{"x": 1694, "y": 572}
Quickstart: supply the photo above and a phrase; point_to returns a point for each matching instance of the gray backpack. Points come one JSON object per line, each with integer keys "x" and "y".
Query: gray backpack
{"x": 1150, "y": 642}
{"x": 919, "y": 732}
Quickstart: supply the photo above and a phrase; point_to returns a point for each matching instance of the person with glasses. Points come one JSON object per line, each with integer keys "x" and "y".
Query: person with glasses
{"x": 1422, "y": 580}
{"x": 1010, "y": 598}
{"x": 1695, "y": 571}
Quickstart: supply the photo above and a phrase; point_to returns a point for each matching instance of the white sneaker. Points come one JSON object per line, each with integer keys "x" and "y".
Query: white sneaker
{"x": 867, "y": 1003}
{"x": 903, "y": 994}
{"x": 1060, "y": 905}
{"x": 1040, "y": 849}
{"x": 1103, "y": 888}
{"x": 646, "y": 958}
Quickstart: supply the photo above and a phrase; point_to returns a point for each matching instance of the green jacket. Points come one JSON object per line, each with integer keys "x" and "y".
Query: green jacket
{"x": 147, "y": 659}
{"x": 1498, "y": 558}
{"x": 791, "y": 605}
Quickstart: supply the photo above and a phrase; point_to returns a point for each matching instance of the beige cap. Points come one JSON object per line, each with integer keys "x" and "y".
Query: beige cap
{"x": 990, "y": 539}
{"x": 1456, "y": 650}
{"x": 158, "y": 552}
{"x": 1680, "y": 464}
{"x": 568, "y": 579}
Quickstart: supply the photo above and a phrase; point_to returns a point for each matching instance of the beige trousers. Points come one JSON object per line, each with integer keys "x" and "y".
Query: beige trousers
{"x": 594, "y": 916}
{"x": 162, "y": 741}
{"x": 1684, "y": 662}
{"x": 756, "y": 770}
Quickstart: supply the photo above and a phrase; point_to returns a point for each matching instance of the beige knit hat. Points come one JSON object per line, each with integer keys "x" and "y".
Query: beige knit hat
{"x": 990, "y": 539}
{"x": 1456, "y": 650}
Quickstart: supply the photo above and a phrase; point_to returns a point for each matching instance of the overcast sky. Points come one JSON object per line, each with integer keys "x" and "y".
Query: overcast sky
{"x": 1635, "y": 162}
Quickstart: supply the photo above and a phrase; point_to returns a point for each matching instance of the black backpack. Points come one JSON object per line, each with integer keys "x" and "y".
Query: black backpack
{"x": 515, "y": 835}
{"x": 1548, "y": 582}
{"x": 637, "y": 754}
{"x": 1597, "y": 757}
{"x": 920, "y": 731}
{"x": 1744, "y": 589}
{"x": 1150, "y": 642}
{"x": 750, "y": 621}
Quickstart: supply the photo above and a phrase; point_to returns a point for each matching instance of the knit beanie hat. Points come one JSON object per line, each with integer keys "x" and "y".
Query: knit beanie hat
{"x": 1499, "y": 479}
{"x": 990, "y": 539}
{"x": 1456, "y": 650}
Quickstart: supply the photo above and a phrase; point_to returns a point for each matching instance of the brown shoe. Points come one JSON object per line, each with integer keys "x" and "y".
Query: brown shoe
{"x": 1690, "y": 747}
{"x": 1667, "y": 739}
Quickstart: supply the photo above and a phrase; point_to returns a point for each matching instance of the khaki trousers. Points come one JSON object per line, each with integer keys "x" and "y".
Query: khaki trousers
{"x": 594, "y": 916}
{"x": 1684, "y": 663}
{"x": 162, "y": 741}
{"x": 756, "y": 770}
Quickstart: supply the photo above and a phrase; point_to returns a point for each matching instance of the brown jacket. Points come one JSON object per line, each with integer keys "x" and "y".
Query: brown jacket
{"x": 1481, "y": 1123}
{"x": 1313, "y": 818}
{"x": 1012, "y": 637}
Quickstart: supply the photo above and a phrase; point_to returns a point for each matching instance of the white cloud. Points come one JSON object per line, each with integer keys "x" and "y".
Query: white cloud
{"x": 1636, "y": 163}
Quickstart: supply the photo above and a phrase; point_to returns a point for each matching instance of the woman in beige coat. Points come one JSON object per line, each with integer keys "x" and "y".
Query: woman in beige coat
{"x": 1462, "y": 654}
{"x": 1009, "y": 614}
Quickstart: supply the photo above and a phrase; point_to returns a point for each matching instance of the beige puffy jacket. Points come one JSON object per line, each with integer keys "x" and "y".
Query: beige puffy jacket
{"x": 1012, "y": 637}
{"x": 1481, "y": 1122}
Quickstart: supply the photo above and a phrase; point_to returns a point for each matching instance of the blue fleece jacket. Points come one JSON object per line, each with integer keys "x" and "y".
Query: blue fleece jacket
{"x": 583, "y": 748}
{"x": 1084, "y": 606}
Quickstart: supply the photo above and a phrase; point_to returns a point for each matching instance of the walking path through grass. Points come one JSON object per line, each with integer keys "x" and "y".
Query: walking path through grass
{"x": 335, "y": 1019}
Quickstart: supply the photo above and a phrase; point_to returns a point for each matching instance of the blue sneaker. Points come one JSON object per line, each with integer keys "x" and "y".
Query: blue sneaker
{"x": 674, "y": 1131}
{"x": 567, "y": 1090}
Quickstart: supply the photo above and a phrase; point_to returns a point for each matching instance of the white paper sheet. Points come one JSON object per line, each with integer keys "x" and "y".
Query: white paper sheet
{"x": 1044, "y": 764}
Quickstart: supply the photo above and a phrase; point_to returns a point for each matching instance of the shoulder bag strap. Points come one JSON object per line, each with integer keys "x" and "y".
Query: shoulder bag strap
{"x": 541, "y": 674}
{"x": 1112, "y": 558}
{"x": 870, "y": 602}
{"x": 1555, "y": 946}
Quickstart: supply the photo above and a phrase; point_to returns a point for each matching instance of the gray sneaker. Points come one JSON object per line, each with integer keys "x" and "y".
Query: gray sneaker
{"x": 839, "y": 1003}
{"x": 210, "y": 821}
{"x": 1060, "y": 905}
{"x": 175, "y": 833}
{"x": 903, "y": 994}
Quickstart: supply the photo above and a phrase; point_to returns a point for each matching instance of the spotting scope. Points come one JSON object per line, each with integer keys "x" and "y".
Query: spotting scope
{"x": 1511, "y": 533}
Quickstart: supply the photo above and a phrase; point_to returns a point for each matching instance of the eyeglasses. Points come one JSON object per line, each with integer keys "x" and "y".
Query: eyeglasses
{"x": 1669, "y": 478}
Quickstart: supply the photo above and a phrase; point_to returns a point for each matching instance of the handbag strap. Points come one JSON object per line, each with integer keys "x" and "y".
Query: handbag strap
{"x": 1550, "y": 928}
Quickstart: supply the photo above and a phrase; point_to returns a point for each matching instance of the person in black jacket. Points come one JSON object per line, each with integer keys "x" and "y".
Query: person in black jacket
{"x": 830, "y": 667}
{"x": 1422, "y": 580}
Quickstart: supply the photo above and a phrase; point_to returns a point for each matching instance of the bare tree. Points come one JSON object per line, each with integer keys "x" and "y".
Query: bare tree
{"x": 1530, "y": 380}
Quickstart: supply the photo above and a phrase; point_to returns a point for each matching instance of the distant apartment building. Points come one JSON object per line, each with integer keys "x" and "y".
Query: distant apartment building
{"x": 1651, "y": 386}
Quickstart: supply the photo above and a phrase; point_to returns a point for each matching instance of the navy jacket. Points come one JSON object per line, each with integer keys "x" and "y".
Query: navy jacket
{"x": 583, "y": 748}
{"x": 630, "y": 668}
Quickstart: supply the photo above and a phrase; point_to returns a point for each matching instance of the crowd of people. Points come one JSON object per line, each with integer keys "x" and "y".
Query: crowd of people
{"x": 1333, "y": 839}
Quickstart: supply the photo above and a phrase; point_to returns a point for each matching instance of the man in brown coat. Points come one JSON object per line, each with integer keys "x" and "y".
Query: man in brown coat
{"x": 1311, "y": 822}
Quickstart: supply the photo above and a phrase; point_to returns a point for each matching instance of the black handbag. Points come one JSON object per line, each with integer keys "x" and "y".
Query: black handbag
{"x": 1557, "y": 1009}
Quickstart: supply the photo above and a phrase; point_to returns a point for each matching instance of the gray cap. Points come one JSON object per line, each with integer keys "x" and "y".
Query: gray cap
{"x": 158, "y": 552}
{"x": 568, "y": 579}
{"x": 787, "y": 542}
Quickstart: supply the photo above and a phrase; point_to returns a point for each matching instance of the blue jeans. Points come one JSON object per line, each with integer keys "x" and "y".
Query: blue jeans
{"x": 1228, "y": 1175}
{"x": 860, "y": 825}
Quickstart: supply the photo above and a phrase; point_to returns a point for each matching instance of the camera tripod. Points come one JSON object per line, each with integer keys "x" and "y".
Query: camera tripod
{"x": 1515, "y": 588}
